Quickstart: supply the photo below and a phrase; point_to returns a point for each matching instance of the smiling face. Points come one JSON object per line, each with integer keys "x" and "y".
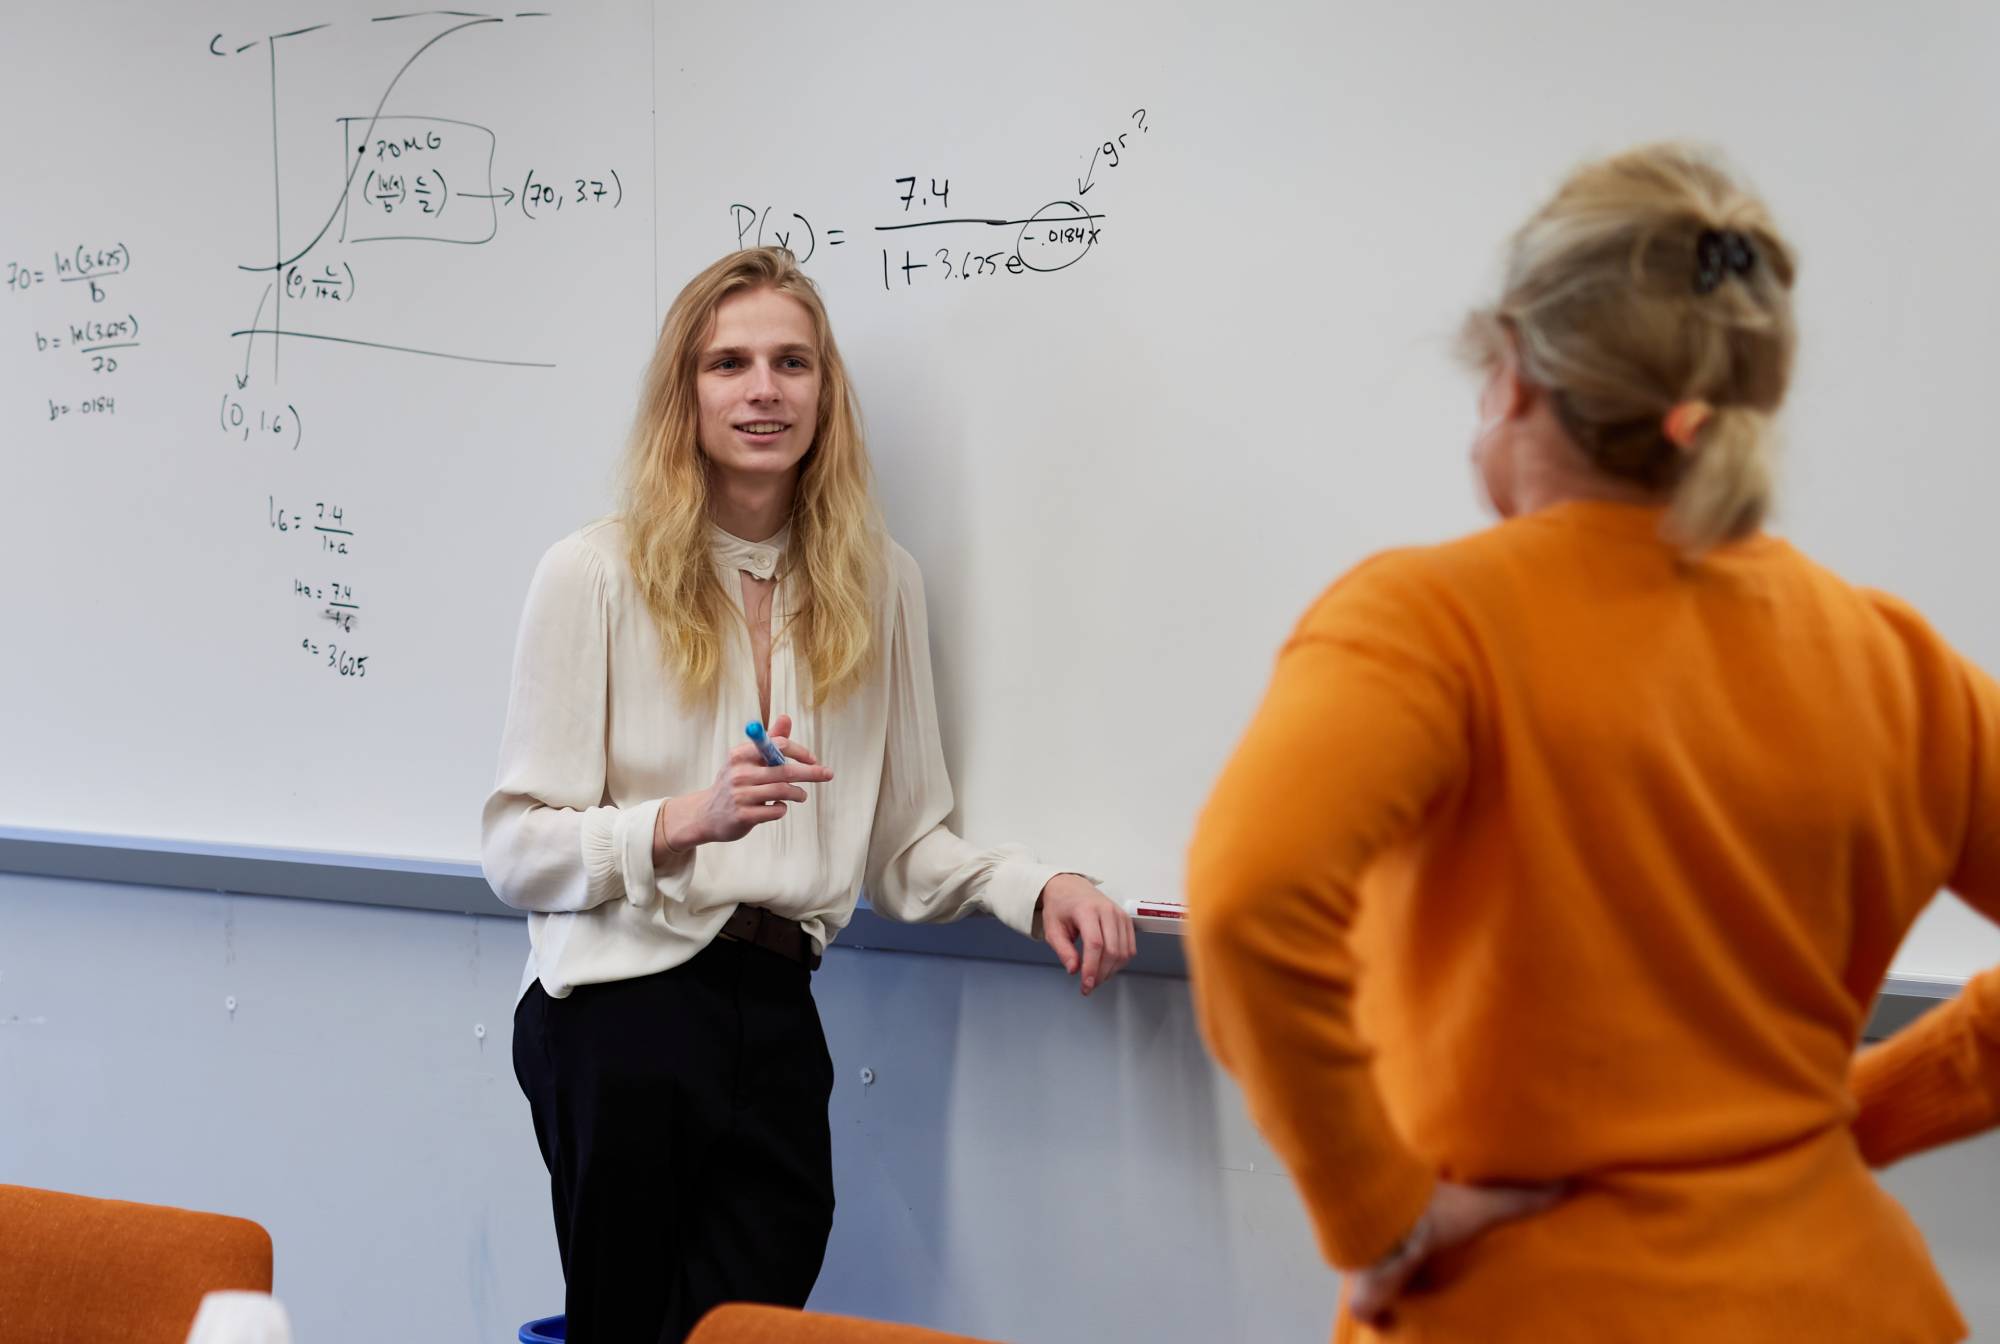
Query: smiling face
{"x": 757, "y": 382}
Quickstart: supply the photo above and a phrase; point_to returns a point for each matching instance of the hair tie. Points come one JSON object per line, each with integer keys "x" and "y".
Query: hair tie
{"x": 1718, "y": 254}
{"x": 1683, "y": 424}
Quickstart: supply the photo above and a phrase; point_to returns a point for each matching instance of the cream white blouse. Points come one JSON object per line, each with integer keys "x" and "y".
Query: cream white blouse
{"x": 599, "y": 734}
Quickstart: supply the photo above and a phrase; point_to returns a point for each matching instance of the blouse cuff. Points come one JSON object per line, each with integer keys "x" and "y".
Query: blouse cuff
{"x": 619, "y": 858}
{"x": 1016, "y": 887}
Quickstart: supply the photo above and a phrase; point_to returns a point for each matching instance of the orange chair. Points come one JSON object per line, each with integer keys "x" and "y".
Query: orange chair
{"x": 738, "y": 1324}
{"x": 76, "y": 1270}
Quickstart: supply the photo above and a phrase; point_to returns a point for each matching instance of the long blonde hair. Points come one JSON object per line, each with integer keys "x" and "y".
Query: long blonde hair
{"x": 1651, "y": 279}
{"x": 835, "y": 558}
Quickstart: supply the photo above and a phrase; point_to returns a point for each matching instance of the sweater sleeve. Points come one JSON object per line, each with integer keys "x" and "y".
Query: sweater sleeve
{"x": 1938, "y": 1079}
{"x": 548, "y": 840}
{"x": 1364, "y": 726}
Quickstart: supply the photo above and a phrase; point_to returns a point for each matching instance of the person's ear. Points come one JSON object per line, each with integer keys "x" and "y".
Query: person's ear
{"x": 1513, "y": 395}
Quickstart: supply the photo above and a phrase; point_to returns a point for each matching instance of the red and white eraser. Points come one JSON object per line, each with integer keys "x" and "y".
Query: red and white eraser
{"x": 1158, "y": 916}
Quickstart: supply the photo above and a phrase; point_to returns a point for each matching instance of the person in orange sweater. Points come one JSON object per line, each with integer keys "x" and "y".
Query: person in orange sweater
{"x": 1540, "y": 908}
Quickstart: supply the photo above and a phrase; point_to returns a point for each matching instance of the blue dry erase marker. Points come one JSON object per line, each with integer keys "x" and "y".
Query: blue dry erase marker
{"x": 754, "y": 730}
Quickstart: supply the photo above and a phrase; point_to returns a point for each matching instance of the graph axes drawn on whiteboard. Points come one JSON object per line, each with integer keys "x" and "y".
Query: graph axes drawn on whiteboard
{"x": 277, "y": 330}
{"x": 215, "y": 43}
{"x": 254, "y": 332}
{"x": 277, "y": 209}
{"x": 347, "y": 185}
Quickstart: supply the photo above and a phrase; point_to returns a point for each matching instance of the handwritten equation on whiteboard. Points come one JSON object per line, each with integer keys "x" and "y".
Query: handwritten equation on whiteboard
{"x": 402, "y": 183}
{"x": 406, "y": 190}
{"x": 323, "y": 531}
{"x": 957, "y": 245}
{"x": 356, "y": 179}
{"x": 370, "y": 160}
{"x": 90, "y": 336}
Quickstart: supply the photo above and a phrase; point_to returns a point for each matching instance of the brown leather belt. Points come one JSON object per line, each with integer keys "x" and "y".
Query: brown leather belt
{"x": 774, "y": 933}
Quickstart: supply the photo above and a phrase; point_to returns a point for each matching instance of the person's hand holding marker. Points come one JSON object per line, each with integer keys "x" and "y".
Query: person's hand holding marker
{"x": 767, "y": 750}
{"x": 756, "y": 785}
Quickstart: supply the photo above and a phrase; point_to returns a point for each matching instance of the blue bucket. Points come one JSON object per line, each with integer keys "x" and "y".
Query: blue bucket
{"x": 548, "y": 1330}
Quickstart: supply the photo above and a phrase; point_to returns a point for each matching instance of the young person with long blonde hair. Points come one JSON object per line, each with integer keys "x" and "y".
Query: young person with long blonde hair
{"x": 1542, "y": 905}
{"x": 681, "y": 891}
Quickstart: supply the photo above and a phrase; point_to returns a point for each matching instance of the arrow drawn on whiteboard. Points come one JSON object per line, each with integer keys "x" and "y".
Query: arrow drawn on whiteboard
{"x": 243, "y": 378}
{"x": 505, "y": 195}
{"x": 1084, "y": 184}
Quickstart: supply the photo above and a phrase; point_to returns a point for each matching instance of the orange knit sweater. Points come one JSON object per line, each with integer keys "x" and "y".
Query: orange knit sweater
{"x": 1551, "y": 855}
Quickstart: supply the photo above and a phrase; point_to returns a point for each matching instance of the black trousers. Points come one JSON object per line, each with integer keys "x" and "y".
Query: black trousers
{"x": 683, "y": 1117}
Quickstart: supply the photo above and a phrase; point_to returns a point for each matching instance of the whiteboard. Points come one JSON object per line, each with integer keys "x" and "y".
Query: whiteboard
{"x": 1217, "y": 375}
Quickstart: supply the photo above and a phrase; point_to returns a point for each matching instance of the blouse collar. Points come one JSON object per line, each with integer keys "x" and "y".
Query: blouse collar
{"x": 758, "y": 559}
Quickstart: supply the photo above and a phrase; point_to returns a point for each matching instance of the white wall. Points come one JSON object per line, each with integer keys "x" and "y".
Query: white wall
{"x": 1027, "y": 1165}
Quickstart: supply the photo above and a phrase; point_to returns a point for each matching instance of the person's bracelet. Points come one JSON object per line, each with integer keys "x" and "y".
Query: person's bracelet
{"x": 666, "y": 842}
